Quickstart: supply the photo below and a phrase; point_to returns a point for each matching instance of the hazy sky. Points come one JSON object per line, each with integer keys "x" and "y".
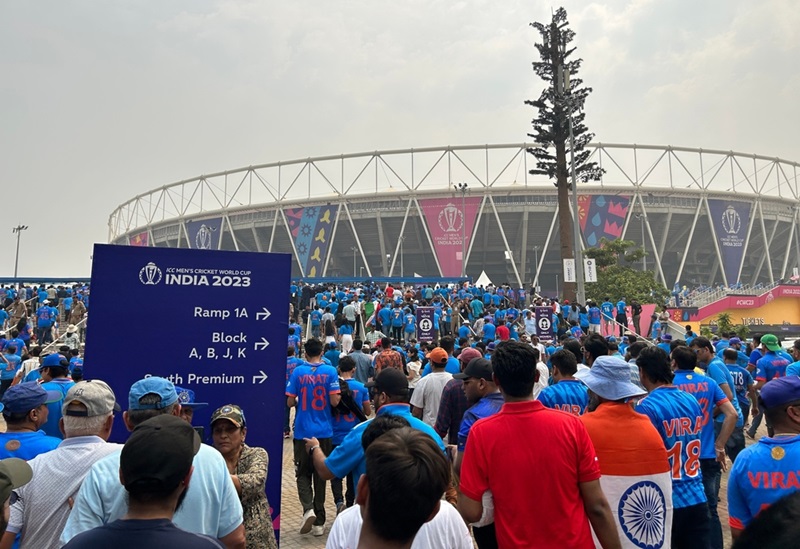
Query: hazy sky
{"x": 103, "y": 100}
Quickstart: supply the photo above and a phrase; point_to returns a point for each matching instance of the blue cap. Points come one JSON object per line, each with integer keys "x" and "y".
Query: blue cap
{"x": 186, "y": 398}
{"x": 54, "y": 360}
{"x": 152, "y": 386}
{"x": 611, "y": 339}
{"x": 780, "y": 391}
{"x": 24, "y": 397}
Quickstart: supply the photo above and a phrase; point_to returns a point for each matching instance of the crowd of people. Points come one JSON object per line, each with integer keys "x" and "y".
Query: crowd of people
{"x": 485, "y": 433}
{"x": 595, "y": 437}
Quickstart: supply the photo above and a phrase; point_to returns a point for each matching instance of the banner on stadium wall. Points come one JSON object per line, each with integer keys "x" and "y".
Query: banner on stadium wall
{"x": 311, "y": 229}
{"x": 446, "y": 223}
{"x": 205, "y": 234}
{"x": 225, "y": 313}
{"x": 731, "y": 221}
{"x": 601, "y": 216}
{"x": 141, "y": 239}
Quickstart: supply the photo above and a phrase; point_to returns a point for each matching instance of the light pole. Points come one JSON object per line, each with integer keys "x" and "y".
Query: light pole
{"x": 361, "y": 272}
{"x": 642, "y": 218}
{"x": 536, "y": 268}
{"x": 389, "y": 264}
{"x": 557, "y": 294}
{"x": 463, "y": 188}
{"x": 355, "y": 249}
{"x": 402, "y": 239}
{"x": 18, "y": 231}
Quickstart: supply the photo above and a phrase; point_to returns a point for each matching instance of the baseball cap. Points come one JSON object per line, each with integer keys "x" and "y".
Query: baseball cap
{"x": 158, "y": 455}
{"x": 734, "y": 341}
{"x": 14, "y": 472}
{"x": 390, "y": 381}
{"x": 186, "y": 398}
{"x": 96, "y": 395}
{"x": 491, "y": 346}
{"x": 479, "y": 368}
{"x": 771, "y": 342}
{"x": 610, "y": 378}
{"x": 152, "y": 385}
{"x": 666, "y": 337}
{"x": 611, "y": 339}
{"x": 24, "y": 397}
{"x": 780, "y": 390}
{"x": 438, "y": 356}
{"x": 468, "y": 354}
{"x": 232, "y": 413}
{"x": 54, "y": 360}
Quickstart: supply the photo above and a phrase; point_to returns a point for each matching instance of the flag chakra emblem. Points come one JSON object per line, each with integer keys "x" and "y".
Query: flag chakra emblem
{"x": 642, "y": 514}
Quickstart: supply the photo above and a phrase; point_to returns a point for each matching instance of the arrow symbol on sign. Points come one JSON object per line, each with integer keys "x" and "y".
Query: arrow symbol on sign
{"x": 264, "y": 315}
{"x": 261, "y": 379}
{"x": 261, "y": 345}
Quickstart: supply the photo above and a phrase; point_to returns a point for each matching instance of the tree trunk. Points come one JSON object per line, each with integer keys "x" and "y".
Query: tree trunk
{"x": 565, "y": 220}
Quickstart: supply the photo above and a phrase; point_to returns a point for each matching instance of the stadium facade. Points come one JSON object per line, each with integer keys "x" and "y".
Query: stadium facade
{"x": 704, "y": 216}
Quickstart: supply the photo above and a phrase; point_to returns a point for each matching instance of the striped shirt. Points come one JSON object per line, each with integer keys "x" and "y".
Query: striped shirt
{"x": 568, "y": 395}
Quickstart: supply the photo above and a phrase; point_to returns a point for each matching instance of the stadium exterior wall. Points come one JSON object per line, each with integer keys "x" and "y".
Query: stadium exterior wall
{"x": 704, "y": 216}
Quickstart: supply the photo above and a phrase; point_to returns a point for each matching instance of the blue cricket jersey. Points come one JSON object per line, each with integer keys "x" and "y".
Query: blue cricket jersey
{"x": 568, "y": 395}
{"x": 312, "y": 384}
{"x": 708, "y": 394}
{"x": 678, "y": 418}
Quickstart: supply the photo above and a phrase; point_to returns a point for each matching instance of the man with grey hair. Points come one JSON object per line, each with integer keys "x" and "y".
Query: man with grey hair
{"x": 211, "y": 507}
{"x": 43, "y": 505}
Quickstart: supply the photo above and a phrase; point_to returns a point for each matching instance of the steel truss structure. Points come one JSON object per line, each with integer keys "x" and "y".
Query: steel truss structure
{"x": 380, "y": 228}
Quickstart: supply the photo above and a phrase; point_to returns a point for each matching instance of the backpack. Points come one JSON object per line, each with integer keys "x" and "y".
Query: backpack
{"x": 348, "y": 404}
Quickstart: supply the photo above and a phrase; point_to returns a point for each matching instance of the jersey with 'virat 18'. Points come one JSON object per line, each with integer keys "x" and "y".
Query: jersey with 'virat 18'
{"x": 761, "y": 475}
{"x": 568, "y": 395}
{"x": 708, "y": 395}
{"x": 312, "y": 385}
{"x": 678, "y": 418}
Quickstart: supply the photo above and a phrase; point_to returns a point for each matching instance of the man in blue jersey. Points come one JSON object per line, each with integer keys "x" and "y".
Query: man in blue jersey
{"x": 678, "y": 418}
{"x": 621, "y": 317}
{"x": 313, "y": 388}
{"x": 44, "y": 323}
{"x": 595, "y": 316}
{"x": 664, "y": 343}
{"x": 767, "y": 470}
{"x": 793, "y": 369}
{"x": 25, "y": 410}
{"x": 344, "y": 420}
{"x": 607, "y": 309}
{"x": 712, "y": 451}
{"x": 390, "y": 395}
{"x": 774, "y": 362}
{"x": 567, "y": 394}
{"x": 745, "y": 389}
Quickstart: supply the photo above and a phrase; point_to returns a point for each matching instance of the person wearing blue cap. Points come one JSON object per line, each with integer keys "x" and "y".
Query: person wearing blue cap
{"x": 25, "y": 410}
{"x": 188, "y": 404}
{"x": 767, "y": 470}
{"x": 55, "y": 377}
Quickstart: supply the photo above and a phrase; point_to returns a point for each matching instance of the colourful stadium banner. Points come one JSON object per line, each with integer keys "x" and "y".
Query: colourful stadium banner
{"x": 730, "y": 221}
{"x": 205, "y": 234}
{"x": 311, "y": 230}
{"x": 141, "y": 239}
{"x": 602, "y": 216}
{"x": 446, "y": 220}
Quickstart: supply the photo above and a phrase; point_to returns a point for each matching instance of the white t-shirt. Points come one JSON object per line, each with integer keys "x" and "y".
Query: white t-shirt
{"x": 544, "y": 375}
{"x": 428, "y": 395}
{"x": 414, "y": 367}
{"x": 446, "y": 529}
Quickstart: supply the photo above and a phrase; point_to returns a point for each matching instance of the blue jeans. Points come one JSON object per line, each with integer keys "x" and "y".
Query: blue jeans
{"x": 712, "y": 475}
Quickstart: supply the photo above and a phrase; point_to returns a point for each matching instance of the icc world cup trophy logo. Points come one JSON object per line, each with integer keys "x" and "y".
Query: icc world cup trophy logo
{"x": 150, "y": 274}
{"x": 202, "y": 240}
{"x": 731, "y": 222}
{"x": 451, "y": 219}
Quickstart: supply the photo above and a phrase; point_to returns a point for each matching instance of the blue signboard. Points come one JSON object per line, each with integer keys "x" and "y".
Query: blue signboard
{"x": 544, "y": 323}
{"x": 426, "y": 330}
{"x": 214, "y": 322}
